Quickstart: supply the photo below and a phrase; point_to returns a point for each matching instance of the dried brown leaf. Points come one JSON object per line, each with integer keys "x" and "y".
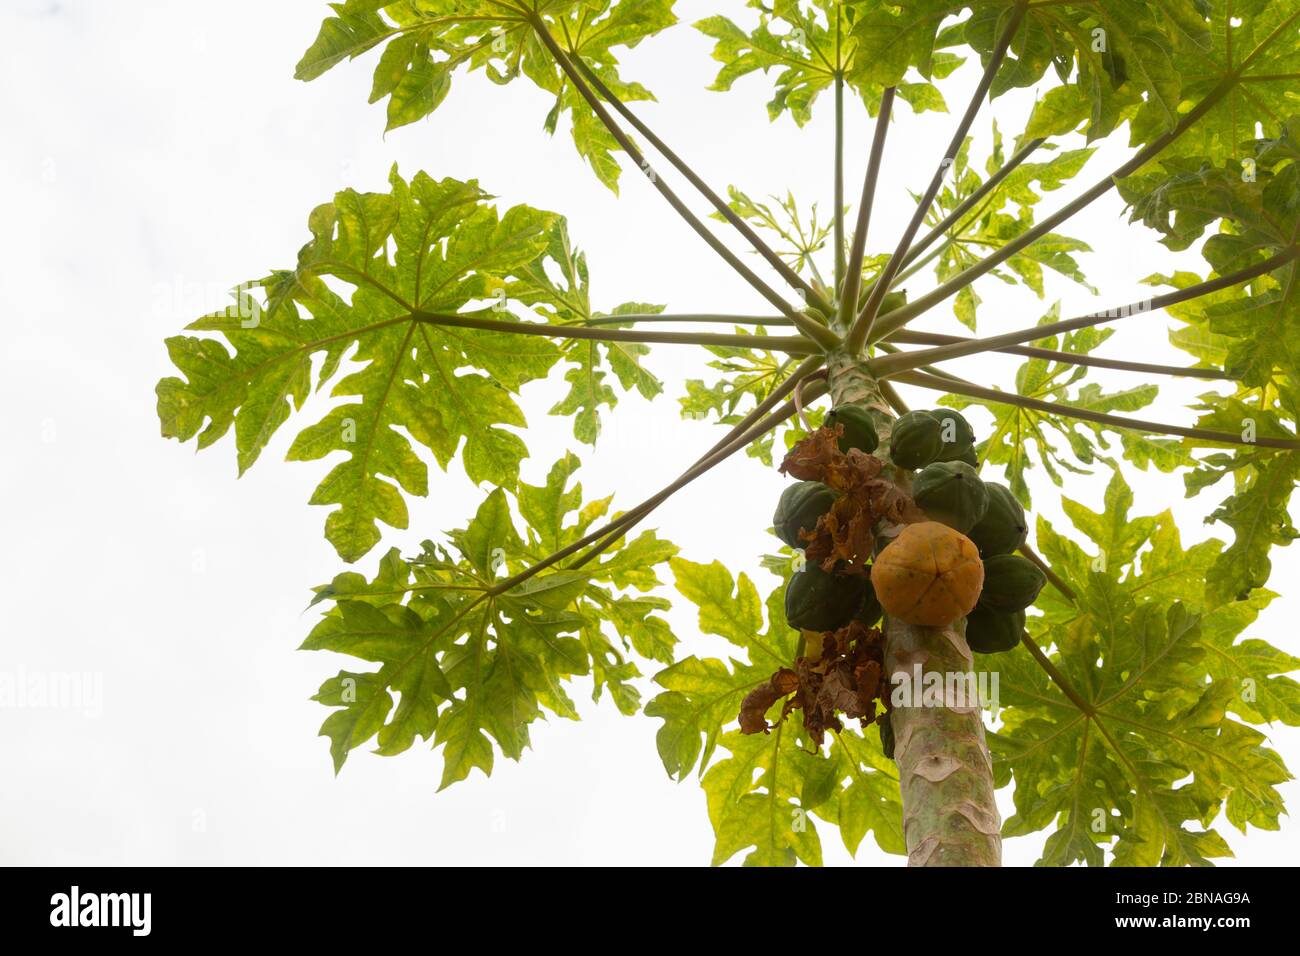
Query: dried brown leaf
{"x": 843, "y": 680}
{"x": 754, "y": 708}
{"x": 844, "y": 538}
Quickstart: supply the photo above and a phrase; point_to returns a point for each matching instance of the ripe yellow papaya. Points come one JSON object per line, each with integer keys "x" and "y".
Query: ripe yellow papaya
{"x": 929, "y": 575}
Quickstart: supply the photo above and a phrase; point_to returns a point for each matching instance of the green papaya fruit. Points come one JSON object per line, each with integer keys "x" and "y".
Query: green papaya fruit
{"x": 956, "y": 430}
{"x": 957, "y": 436}
{"x": 891, "y": 301}
{"x": 1003, "y": 528}
{"x": 799, "y": 507}
{"x": 1011, "y": 582}
{"x": 871, "y": 610}
{"x": 966, "y": 454}
{"x": 950, "y": 492}
{"x": 818, "y": 601}
{"x": 989, "y": 631}
{"x": 916, "y": 440}
{"x": 886, "y": 735}
{"x": 859, "y": 429}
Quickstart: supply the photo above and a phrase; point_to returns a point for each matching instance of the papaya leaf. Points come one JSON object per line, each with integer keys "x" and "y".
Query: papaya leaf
{"x": 895, "y": 39}
{"x": 1258, "y": 514}
{"x": 427, "y": 43}
{"x": 1187, "y": 197}
{"x": 1087, "y": 47}
{"x": 449, "y": 389}
{"x": 745, "y": 374}
{"x": 754, "y": 798}
{"x": 1003, "y": 214}
{"x": 765, "y": 792}
{"x": 806, "y": 46}
{"x": 1240, "y": 57}
{"x": 802, "y": 237}
{"x": 870, "y": 802}
{"x": 1154, "y": 756}
{"x": 566, "y": 300}
{"x": 475, "y": 665}
{"x": 1250, "y": 331}
{"x": 1257, "y": 509}
{"x": 703, "y": 695}
{"x": 1023, "y": 438}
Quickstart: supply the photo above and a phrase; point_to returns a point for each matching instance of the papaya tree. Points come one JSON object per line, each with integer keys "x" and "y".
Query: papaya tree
{"x": 1129, "y": 701}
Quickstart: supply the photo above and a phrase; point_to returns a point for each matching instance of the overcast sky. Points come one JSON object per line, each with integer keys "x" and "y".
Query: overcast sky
{"x": 153, "y": 156}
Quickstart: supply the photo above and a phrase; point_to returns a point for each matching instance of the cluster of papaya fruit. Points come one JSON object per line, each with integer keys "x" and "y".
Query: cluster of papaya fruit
{"x": 816, "y": 599}
{"x": 958, "y": 559}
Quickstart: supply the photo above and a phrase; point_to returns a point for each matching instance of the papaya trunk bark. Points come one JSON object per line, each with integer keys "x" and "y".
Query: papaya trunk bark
{"x": 945, "y": 772}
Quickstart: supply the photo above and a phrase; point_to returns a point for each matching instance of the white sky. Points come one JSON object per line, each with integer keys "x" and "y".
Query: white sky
{"x": 154, "y": 155}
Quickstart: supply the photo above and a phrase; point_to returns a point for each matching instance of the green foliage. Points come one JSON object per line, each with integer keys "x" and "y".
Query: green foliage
{"x": 1240, "y": 59}
{"x": 748, "y": 377}
{"x": 427, "y": 41}
{"x": 1258, "y": 515}
{"x": 568, "y": 302}
{"x": 476, "y": 665}
{"x": 1004, "y": 214}
{"x": 1128, "y": 736}
{"x": 766, "y": 793}
{"x": 802, "y": 236}
{"x": 1249, "y": 330}
{"x": 450, "y": 249}
{"x": 1157, "y": 745}
{"x": 808, "y": 46}
{"x": 1023, "y": 437}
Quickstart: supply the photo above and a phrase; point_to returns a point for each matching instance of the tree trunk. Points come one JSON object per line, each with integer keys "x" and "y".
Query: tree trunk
{"x": 945, "y": 771}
